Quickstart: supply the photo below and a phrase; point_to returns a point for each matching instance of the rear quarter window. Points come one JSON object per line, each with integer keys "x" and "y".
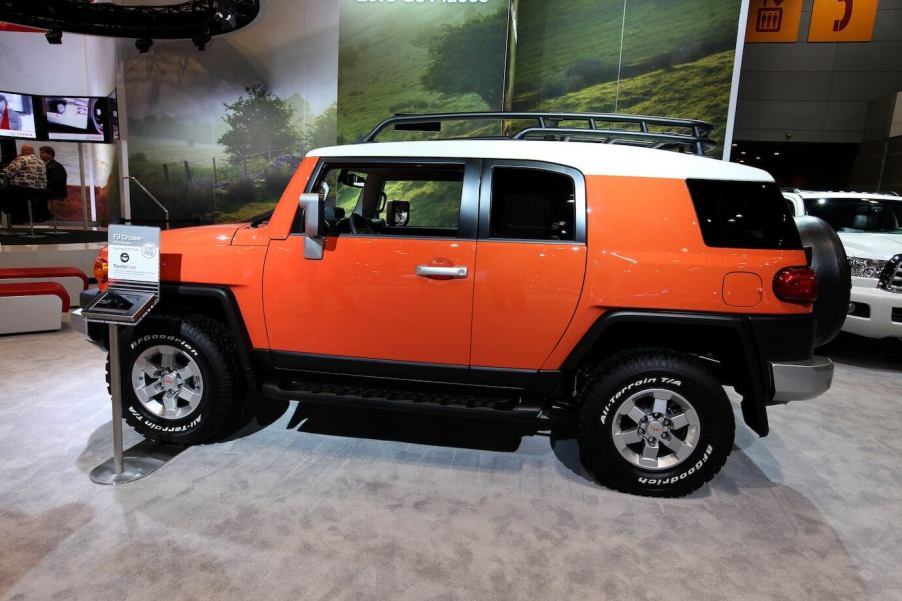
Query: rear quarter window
{"x": 735, "y": 214}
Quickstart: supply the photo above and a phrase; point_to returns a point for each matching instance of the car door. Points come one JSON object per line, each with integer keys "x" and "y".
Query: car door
{"x": 391, "y": 287}
{"x": 530, "y": 261}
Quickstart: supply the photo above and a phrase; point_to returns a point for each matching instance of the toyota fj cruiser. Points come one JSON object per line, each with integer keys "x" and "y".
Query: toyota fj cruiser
{"x": 503, "y": 277}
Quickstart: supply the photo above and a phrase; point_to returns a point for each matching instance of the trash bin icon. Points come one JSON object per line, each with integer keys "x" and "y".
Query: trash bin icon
{"x": 769, "y": 18}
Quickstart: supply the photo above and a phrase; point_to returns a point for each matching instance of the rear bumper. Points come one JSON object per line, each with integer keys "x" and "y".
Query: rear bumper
{"x": 800, "y": 380}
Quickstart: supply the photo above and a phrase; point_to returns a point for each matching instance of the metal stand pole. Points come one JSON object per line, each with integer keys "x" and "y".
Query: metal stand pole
{"x": 143, "y": 458}
{"x": 55, "y": 231}
{"x": 84, "y": 193}
{"x": 30, "y": 233}
{"x": 116, "y": 395}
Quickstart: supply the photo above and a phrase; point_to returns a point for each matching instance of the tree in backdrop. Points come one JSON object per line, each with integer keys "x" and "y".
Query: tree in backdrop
{"x": 324, "y": 129}
{"x": 469, "y": 59}
{"x": 260, "y": 125}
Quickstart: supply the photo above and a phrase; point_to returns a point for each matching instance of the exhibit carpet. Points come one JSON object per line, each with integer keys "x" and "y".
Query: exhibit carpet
{"x": 339, "y": 504}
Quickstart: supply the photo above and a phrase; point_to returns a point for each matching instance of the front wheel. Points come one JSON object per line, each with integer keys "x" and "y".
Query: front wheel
{"x": 655, "y": 423}
{"x": 180, "y": 380}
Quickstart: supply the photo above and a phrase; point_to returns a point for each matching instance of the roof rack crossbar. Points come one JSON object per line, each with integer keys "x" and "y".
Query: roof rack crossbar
{"x": 613, "y": 134}
{"x": 548, "y": 122}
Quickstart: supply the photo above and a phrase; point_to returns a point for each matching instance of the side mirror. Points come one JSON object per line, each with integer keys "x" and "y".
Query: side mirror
{"x": 313, "y": 206}
{"x": 397, "y": 213}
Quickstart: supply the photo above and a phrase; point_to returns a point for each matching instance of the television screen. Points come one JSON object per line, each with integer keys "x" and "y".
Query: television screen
{"x": 16, "y": 116}
{"x": 77, "y": 119}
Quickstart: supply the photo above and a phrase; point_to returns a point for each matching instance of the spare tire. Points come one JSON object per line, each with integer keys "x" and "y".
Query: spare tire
{"x": 834, "y": 277}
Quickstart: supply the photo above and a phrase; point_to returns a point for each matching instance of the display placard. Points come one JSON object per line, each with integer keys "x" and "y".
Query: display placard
{"x": 134, "y": 275}
{"x": 134, "y": 254}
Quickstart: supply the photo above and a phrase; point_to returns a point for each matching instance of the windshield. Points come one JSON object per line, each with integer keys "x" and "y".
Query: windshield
{"x": 858, "y": 214}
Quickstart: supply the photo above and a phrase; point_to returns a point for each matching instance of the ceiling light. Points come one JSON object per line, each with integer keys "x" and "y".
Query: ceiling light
{"x": 201, "y": 39}
{"x": 225, "y": 14}
{"x": 143, "y": 44}
{"x": 54, "y": 36}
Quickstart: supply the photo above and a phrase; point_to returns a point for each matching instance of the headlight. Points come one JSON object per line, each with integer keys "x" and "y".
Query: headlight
{"x": 866, "y": 268}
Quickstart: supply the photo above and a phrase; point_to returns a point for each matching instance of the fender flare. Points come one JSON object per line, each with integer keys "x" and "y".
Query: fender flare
{"x": 225, "y": 299}
{"x": 754, "y": 402}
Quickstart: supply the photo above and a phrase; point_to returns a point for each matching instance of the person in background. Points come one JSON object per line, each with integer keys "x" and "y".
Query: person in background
{"x": 56, "y": 180}
{"x": 9, "y": 118}
{"x": 28, "y": 181}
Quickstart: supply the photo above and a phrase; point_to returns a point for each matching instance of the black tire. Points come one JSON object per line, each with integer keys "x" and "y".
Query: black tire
{"x": 629, "y": 377}
{"x": 834, "y": 276}
{"x": 209, "y": 344}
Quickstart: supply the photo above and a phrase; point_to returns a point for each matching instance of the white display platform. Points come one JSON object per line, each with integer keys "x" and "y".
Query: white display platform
{"x": 80, "y": 255}
{"x": 31, "y": 313}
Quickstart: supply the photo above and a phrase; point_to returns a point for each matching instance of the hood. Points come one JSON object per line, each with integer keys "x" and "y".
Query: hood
{"x": 207, "y": 235}
{"x": 871, "y": 246}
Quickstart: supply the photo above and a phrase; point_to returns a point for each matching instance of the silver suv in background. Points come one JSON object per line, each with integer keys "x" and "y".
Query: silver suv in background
{"x": 870, "y": 227}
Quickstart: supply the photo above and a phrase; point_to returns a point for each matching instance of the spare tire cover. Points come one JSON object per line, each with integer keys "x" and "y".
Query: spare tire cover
{"x": 834, "y": 277}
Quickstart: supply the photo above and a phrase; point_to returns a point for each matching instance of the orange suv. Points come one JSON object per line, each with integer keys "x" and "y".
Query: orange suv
{"x": 503, "y": 277}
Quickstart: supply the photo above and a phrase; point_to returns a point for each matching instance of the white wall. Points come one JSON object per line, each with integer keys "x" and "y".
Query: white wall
{"x": 819, "y": 92}
{"x": 80, "y": 66}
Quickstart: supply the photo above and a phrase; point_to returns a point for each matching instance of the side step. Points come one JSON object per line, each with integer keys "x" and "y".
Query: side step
{"x": 379, "y": 396}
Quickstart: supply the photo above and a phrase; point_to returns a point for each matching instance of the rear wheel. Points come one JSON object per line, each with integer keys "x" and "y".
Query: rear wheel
{"x": 180, "y": 381}
{"x": 655, "y": 423}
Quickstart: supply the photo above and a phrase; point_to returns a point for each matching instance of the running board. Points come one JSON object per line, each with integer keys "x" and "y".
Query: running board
{"x": 351, "y": 395}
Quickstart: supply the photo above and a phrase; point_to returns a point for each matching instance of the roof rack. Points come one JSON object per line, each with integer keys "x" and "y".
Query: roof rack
{"x": 694, "y": 137}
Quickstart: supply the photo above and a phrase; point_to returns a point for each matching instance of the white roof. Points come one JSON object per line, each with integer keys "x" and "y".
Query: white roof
{"x": 591, "y": 158}
{"x": 830, "y": 194}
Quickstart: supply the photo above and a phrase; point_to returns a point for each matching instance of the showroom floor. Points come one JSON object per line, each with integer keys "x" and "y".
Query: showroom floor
{"x": 316, "y": 504}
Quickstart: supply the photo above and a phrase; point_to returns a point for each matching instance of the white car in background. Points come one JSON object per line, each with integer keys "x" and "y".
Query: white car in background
{"x": 870, "y": 227}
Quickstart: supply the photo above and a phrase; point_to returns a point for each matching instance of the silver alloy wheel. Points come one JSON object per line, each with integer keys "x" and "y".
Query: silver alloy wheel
{"x": 167, "y": 381}
{"x": 656, "y": 429}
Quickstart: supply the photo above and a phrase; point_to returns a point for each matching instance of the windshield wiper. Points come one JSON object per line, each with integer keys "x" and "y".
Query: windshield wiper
{"x": 261, "y": 219}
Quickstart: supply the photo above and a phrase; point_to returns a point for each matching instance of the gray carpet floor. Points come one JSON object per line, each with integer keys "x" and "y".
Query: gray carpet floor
{"x": 316, "y": 504}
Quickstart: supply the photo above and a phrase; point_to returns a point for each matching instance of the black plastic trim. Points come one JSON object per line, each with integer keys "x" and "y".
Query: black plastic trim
{"x": 514, "y": 379}
{"x": 763, "y": 339}
{"x": 224, "y": 296}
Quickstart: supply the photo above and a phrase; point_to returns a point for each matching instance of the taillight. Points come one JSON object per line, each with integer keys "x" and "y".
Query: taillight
{"x": 796, "y": 285}
{"x": 102, "y": 268}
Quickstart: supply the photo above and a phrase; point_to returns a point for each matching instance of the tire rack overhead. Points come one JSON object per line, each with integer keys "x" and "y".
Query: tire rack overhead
{"x": 197, "y": 19}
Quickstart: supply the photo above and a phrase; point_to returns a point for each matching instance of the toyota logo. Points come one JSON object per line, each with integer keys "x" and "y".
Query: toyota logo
{"x": 124, "y": 257}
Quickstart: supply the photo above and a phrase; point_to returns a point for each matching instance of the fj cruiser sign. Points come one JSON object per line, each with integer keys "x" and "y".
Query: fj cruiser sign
{"x": 134, "y": 254}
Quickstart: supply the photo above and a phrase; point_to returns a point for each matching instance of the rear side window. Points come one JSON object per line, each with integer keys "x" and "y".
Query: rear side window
{"x": 532, "y": 204}
{"x": 743, "y": 215}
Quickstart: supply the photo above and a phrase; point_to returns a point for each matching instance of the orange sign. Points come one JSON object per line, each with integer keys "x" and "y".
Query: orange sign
{"x": 842, "y": 20}
{"x": 773, "y": 21}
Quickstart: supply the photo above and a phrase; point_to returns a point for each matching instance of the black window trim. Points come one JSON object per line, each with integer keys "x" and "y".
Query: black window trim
{"x": 469, "y": 201}
{"x": 485, "y": 199}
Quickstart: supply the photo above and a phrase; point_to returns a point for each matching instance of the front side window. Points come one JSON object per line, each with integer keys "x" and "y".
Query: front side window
{"x": 393, "y": 200}
{"x": 858, "y": 214}
{"x": 532, "y": 204}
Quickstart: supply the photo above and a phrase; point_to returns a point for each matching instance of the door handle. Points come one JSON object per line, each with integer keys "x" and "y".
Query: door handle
{"x": 431, "y": 271}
